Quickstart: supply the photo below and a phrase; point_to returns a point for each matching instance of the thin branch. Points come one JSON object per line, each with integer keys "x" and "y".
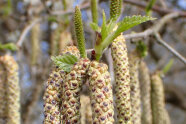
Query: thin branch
{"x": 153, "y": 29}
{"x": 174, "y": 52}
{"x": 162, "y": 11}
{"x": 25, "y": 32}
{"x": 61, "y": 12}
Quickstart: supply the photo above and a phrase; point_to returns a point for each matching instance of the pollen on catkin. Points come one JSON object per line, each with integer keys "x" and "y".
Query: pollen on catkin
{"x": 12, "y": 89}
{"x": 2, "y": 94}
{"x": 122, "y": 79}
{"x": 145, "y": 87}
{"x": 53, "y": 92}
{"x": 72, "y": 86}
{"x": 159, "y": 112}
{"x": 101, "y": 93}
{"x": 135, "y": 88}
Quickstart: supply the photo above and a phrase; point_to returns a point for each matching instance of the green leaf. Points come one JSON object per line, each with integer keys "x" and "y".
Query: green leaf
{"x": 129, "y": 22}
{"x": 104, "y": 32}
{"x": 168, "y": 66}
{"x": 149, "y": 6}
{"x": 79, "y": 32}
{"x": 52, "y": 19}
{"x": 9, "y": 46}
{"x": 95, "y": 27}
{"x": 141, "y": 48}
{"x": 65, "y": 62}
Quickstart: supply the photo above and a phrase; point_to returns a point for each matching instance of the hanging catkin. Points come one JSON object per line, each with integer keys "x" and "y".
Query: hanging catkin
{"x": 101, "y": 93}
{"x": 12, "y": 89}
{"x": 72, "y": 86}
{"x": 145, "y": 87}
{"x": 86, "y": 112}
{"x": 52, "y": 97}
{"x": 2, "y": 94}
{"x": 135, "y": 88}
{"x": 160, "y": 115}
{"x": 122, "y": 78}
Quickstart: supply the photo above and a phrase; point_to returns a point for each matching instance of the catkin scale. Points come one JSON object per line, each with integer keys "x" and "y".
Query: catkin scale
{"x": 101, "y": 93}
{"x": 160, "y": 115}
{"x": 71, "y": 92}
{"x": 12, "y": 89}
{"x": 122, "y": 78}
{"x": 2, "y": 94}
{"x": 53, "y": 92}
{"x": 145, "y": 87}
{"x": 135, "y": 87}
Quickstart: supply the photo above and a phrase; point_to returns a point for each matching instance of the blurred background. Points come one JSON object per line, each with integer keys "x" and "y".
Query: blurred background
{"x": 41, "y": 28}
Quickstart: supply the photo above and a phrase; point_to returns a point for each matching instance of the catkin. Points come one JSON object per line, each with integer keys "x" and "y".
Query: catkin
{"x": 86, "y": 112}
{"x": 135, "y": 88}
{"x": 12, "y": 89}
{"x": 145, "y": 87}
{"x": 2, "y": 94}
{"x": 122, "y": 78}
{"x": 53, "y": 95}
{"x": 72, "y": 86}
{"x": 101, "y": 93}
{"x": 160, "y": 115}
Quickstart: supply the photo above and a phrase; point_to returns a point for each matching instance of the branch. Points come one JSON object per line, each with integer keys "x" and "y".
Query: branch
{"x": 174, "y": 52}
{"x": 71, "y": 11}
{"x": 154, "y": 31}
{"x": 25, "y": 32}
{"x": 157, "y": 9}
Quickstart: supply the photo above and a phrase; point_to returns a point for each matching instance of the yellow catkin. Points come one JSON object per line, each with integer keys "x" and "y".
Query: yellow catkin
{"x": 35, "y": 33}
{"x": 145, "y": 87}
{"x": 12, "y": 89}
{"x": 53, "y": 95}
{"x": 101, "y": 93}
{"x": 160, "y": 115}
{"x": 122, "y": 78}
{"x": 135, "y": 88}
{"x": 86, "y": 112}
{"x": 72, "y": 86}
{"x": 2, "y": 94}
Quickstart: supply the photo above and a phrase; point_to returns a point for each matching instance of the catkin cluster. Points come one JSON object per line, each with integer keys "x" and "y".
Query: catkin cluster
{"x": 135, "y": 87}
{"x": 160, "y": 115}
{"x": 12, "y": 90}
{"x": 122, "y": 79}
{"x": 53, "y": 95}
{"x": 101, "y": 93}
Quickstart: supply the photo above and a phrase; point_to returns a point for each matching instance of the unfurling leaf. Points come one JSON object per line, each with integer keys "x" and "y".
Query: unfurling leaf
{"x": 65, "y": 62}
{"x": 142, "y": 49}
{"x": 95, "y": 27}
{"x": 9, "y": 46}
{"x": 168, "y": 66}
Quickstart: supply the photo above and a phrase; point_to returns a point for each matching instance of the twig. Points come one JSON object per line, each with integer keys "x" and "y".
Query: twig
{"x": 154, "y": 28}
{"x": 25, "y": 32}
{"x": 154, "y": 31}
{"x": 162, "y": 42}
{"x": 61, "y": 12}
{"x": 157, "y": 9}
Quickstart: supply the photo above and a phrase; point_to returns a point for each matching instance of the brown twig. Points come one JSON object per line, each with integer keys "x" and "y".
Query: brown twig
{"x": 26, "y": 31}
{"x": 162, "y": 11}
{"x": 174, "y": 52}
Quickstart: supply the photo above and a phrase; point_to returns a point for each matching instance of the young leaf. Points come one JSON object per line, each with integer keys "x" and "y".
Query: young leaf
{"x": 168, "y": 66}
{"x": 95, "y": 27}
{"x": 141, "y": 48}
{"x": 104, "y": 32}
{"x": 9, "y": 46}
{"x": 149, "y": 6}
{"x": 65, "y": 62}
{"x": 129, "y": 22}
{"x": 79, "y": 32}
